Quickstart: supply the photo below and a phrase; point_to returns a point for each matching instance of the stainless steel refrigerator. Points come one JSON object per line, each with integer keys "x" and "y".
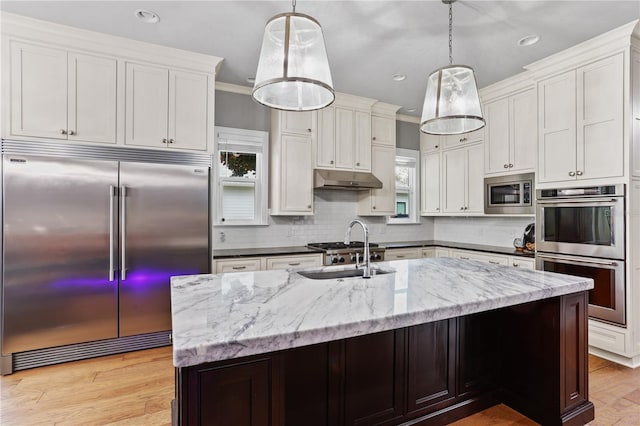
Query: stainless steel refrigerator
{"x": 91, "y": 237}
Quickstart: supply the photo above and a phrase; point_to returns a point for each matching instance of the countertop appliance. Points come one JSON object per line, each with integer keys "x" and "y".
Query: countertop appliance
{"x": 581, "y": 231}
{"x": 512, "y": 194}
{"x": 91, "y": 237}
{"x": 339, "y": 253}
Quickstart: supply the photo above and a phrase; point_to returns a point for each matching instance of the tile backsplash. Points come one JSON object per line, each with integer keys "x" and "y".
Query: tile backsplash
{"x": 334, "y": 209}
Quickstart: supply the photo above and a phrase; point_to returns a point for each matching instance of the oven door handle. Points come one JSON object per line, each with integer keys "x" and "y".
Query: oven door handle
{"x": 577, "y": 261}
{"x": 580, "y": 201}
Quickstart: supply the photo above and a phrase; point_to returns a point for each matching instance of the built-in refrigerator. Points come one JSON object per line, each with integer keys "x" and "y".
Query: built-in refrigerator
{"x": 91, "y": 237}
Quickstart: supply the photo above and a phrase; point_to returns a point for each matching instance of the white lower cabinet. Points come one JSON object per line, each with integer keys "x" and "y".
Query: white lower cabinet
{"x": 520, "y": 262}
{"x": 298, "y": 261}
{"x": 494, "y": 259}
{"x": 430, "y": 183}
{"x": 245, "y": 264}
{"x": 429, "y": 252}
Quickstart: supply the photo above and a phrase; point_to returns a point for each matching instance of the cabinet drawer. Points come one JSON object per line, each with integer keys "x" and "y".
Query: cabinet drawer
{"x": 401, "y": 254}
{"x": 238, "y": 265}
{"x": 429, "y": 252}
{"x": 286, "y": 262}
{"x": 443, "y": 252}
{"x": 480, "y": 257}
{"x": 518, "y": 262}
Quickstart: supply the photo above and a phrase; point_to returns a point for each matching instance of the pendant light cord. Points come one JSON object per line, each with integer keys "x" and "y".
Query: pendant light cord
{"x": 450, "y": 33}
{"x": 293, "y": 3}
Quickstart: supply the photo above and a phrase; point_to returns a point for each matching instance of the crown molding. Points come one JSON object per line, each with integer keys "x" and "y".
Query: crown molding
{"x": 508, "y": 86}
{"x": 587, "y": 51}
{"x": 382, "y": 108}
{"x": 71, "y": 38}
{"x": 233, "y": 88}
{"x": 408, "y": 118}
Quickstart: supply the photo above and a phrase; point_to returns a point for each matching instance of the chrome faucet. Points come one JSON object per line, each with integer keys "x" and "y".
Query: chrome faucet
{"x": 366, "y": 273}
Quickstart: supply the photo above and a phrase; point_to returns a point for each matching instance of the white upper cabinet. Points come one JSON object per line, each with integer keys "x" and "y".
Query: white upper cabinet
{"x": 345, "y": 139}
{"x": 326, "y": 146}
{"x": 581, "y": 123}
{"x": 462, "y": 173}
{"x": 510, "y": 134}
{"x": 291, "y": 163}
{"x": 430, "y": 183}
{"x": 362, "y": 142}
{"x": 165, "y": 108}
{"x": 430, "y": 142}
{"x": 62, "y": 95}
{"x": 383, "y": 131}
{"x": 380, "y": 202}
{"x": 455, "y": 141}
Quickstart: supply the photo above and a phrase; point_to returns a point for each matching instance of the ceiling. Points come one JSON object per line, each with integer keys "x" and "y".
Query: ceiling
{"x": 367, "y": 41}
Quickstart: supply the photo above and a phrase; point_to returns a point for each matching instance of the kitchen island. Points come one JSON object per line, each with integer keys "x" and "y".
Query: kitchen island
{"x": 431, "y": 342}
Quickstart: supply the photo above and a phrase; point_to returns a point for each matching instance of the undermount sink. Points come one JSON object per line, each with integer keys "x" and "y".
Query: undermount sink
{"x": 341, "y": 273}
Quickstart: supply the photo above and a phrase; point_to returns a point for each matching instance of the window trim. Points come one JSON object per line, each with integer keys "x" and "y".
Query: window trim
{"x": 412, "y": 156}
{"x": 238, "y": 138}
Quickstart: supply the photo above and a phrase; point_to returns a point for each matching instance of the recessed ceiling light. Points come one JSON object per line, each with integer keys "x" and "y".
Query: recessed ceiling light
{"x": 398, "y": 77}
{"x": 251, "y": 80}
{"x": 411, "y": 109}
{"x": 147, "y": 16}
{"x": 529, "y": 40}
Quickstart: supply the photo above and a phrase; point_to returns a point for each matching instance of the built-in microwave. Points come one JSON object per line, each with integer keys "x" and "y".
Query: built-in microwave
{"x": 511, "y": 194}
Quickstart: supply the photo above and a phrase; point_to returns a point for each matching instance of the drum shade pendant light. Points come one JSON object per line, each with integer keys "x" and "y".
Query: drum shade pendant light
{"x": 451, "y": 104}
{"x": 293, "y": 72}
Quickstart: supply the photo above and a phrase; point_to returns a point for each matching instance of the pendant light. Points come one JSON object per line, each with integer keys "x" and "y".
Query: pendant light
{"x": 451, "y": 104}
{"x": 293, "y": 72}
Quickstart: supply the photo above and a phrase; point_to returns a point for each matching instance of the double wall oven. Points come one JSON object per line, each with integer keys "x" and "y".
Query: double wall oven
{"x": 581, "y": 231}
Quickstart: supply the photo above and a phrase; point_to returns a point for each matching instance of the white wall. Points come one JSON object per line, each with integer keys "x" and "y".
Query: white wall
{"x": 493, "y": 231}
{"x": 334, "y": 209}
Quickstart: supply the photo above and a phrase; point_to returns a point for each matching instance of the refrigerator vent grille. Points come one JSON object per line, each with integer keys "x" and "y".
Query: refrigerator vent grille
{"x": 49, "y": 356}
{"x": 93, "y": 152}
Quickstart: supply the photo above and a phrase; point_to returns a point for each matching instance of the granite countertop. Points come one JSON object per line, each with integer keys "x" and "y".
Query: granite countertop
{"x": 511, "y": 251}
{"x": 278, "y": 251}
{"x": 225, "y": 316}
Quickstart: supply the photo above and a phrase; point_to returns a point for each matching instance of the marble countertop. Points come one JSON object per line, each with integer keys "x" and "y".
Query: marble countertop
{"x": 278, "y": 251}
{"x": 224, "y": 316}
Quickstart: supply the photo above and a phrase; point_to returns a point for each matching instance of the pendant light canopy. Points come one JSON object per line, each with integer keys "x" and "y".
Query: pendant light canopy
{"x": 451, "y": 104}
{"x": 293, "y": 72}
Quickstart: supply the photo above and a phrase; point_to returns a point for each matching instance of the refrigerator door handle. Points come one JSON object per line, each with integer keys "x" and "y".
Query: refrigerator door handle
{"x": 123, "y": 230}
{"x": 112, "y": 194}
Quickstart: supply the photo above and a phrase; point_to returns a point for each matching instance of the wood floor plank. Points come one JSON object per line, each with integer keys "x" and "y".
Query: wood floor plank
{"x": 136, "y": 389}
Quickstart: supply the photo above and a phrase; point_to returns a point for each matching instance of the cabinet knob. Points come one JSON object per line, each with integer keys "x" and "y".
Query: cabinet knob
{"x": 71, "y": 132}
{"x": 437, "y": 208}
{"x": 465, "y": 207}
{"x": 437, "y": 147}
{"x": 463, "y": 139}
{"x": 373, "y": 138}
{"x": 515, "y": 265}
{"x": 63, "y": 131}
{"x": 164, "y": 140}
{"x": 171, "y": 140}
{"x": 506, "y": 166}
{"x": 461, "y": 208}
{"x": 309, "y": 130}
{"x": 374, "y": 207}
{"x": 357, "y": 164}
{"x": 572, "y": 174}
{"x": 331, "y": 162}
{"x": 579, "y": 172}
{"x": 309, "y": 206}
{"x": 510, "y": 165}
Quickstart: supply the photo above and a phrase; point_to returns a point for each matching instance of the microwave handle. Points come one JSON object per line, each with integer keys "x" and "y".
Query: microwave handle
{"x": 576, "y": 261}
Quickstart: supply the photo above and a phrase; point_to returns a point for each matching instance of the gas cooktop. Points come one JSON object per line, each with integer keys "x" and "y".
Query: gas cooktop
{"x": 340, "y": 245}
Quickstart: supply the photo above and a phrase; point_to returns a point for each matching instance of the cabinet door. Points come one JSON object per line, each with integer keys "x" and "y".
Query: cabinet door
{"x": 430, "y": 169}
{"x": 326, "y": 141}
{"x": 454, "y": 176}
{"x": 429, "y": 252}
{"x": 402, "y": 254}
{"x": 475, "y": 180}
{"x": 600, "y": 140}
{"x": 345, "y": 134}
{"x": 188, "y": 106}
{"x": 430, "y": 142}
{"x": 362, "y": 143}
{"x": 38, "y": 91}
{"x": 431, "y": 366}
{"x": 296, "y": 178}
{"x": 147, "y": 102}
{"x": 518, "y": 262}
{"x": 299, "y": 122}
{"x": 92, "y": 98}
{"x": 373, "y": 384}
{"x": 496, "y": 149}
{"x": 286, "y": 262}
{"x": 383, "y": 131}
{"x": 383, "y": 201}
{"x": 238, "y": 265}
{"x": 523, "y": 117}
{"x": 557, "y": 128}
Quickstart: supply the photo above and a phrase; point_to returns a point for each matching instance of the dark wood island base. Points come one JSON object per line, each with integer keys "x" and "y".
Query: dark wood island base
{"x": 532, "y": 357}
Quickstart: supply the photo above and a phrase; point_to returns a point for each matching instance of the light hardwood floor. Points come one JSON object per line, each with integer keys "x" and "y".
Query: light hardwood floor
{"x": 137, "y": 388}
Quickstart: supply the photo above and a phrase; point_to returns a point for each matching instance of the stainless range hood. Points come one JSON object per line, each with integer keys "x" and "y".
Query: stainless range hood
{"x": 342, "y": 179}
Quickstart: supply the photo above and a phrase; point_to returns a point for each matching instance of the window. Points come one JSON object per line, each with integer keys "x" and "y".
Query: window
{"x": 407, "y": 190}
{"x": 240, "y": 170}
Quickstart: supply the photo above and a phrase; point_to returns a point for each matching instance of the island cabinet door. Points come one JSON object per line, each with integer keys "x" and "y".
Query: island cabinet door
{"x": 374, "y": 378}
{"x": 431, "y": 366}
